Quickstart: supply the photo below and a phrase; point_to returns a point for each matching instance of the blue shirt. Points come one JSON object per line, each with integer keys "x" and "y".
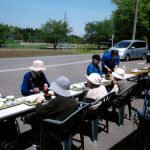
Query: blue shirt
{"x": 108, "y": 61}
{"x": 30, "y": 81}
{"x": 92, "y": 68}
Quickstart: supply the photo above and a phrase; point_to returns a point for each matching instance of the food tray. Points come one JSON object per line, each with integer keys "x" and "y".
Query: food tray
{"x": 33, "y": 103}
{"x": 138, "y": 71}
{"x": 77, "y": 87}
{"x": 104, "y": 81}
{"x": 8, "y": 106}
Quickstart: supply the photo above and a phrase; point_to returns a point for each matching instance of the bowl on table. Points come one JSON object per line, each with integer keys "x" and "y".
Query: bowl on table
{"x": 47, "y": 96}
{"x": 77, "y": 87}
{"x": 10, "y": 97}
{"x": 31, "y": 99}
{"x": 1, "y": 104}
{"x": 3, "y": 100}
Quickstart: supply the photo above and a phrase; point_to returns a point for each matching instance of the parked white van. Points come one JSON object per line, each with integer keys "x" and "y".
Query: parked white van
{"x": 131, "y": 49}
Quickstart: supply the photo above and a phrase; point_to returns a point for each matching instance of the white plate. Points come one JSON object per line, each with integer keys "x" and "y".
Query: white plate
{"x": 1, "y": 104}
{"x": 105, "y": 81}
{"x": 134, "y": 70}
{"x": 3, "y": 99}
{"x": 30, "y": 99}
{"x": 78, "y": 86}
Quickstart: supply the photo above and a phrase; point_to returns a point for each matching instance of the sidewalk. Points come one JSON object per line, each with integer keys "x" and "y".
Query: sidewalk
{"x": 115, "y": 139}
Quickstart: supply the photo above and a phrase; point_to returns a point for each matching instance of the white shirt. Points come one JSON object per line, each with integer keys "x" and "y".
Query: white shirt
{"x": 96, "y": 94}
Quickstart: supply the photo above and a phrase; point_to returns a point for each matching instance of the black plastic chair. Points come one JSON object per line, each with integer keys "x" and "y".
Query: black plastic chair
{"x": 95, "y": 115}
{"x": 120, "y": 102}
{"x": 64, "y": 130}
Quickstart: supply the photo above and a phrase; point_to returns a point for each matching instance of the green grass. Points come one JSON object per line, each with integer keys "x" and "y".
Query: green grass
{"x": 6, "y": 52}
{"x": 43, "y": 49}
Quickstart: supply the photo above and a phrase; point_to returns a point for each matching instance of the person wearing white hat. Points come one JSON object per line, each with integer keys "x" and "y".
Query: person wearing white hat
{"x": 96, "y": 91}
{"x": 120, "y": 83}
{"x": 35, "y": 80}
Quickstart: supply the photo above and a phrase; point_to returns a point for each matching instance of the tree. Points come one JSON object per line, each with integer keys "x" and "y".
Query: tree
{"x": 123, "y": 18}
{"x": 4, "y": 33}
{"x": 75, "y": 39}
{"x": 54, "y": 31}
{"x": 98, "y": 32}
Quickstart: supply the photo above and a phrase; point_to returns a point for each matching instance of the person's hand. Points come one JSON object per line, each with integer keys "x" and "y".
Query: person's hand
{"x": 36, "y": 90}
{"x": 51, "y": 93}
{"x": 45, "y": 87}
{"x": 109, "y": 70}
{"x": 39, "y": 99}
{"x": 112, "y": 79}
{"x": 115, "y": 68}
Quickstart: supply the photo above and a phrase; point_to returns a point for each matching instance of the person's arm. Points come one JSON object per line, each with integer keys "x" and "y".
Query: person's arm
{"x": 44, "y": 109}
{"x": 117, "y": 61}
{"x": 104, "y": 60}
{"x": 89, "y": 69}
{"x": 24, "y": 88}
{"x": 115, "y": 88}
{"x": 45, "y": 80}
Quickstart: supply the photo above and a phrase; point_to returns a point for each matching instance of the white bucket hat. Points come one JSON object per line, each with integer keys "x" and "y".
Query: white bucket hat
{"x": 118, "y": 73}
{"x": 95, "y": 78}
{"x": 37, "y": 65}
{"x": 61, "y": 86}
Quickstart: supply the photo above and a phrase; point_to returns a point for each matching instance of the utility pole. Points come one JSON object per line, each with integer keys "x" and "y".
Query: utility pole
{"x": 112, "y": 40}
{"x": 135, "y": 20}
{"x": 65, "y": 17}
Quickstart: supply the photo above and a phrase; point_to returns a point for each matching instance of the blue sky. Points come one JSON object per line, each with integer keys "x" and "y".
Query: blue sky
{"x": 34, "y": 13}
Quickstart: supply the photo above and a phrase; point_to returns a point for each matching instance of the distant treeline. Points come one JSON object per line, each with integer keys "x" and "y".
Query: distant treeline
{"x": 100, "y": 33}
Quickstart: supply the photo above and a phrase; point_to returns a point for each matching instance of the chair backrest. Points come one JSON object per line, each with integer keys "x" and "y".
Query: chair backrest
{"x": 102, "y": 104}
{"x": 69, "y": 124}
{"x": 124, "y": 96}
{"x": 106, "y": 102}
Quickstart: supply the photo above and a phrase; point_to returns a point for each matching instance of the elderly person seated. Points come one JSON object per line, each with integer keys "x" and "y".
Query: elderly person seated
{"x": 35, "y": 80}
{"x": 58, "y": 108}
{"x": 120, "y": 83}
{"x": 96, "y": 90}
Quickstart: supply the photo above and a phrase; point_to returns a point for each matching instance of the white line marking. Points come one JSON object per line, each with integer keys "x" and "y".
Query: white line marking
{"x": 48, "y": 66}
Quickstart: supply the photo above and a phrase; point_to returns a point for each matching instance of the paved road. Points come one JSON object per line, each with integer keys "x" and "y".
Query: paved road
{"x": 73, "y": 66}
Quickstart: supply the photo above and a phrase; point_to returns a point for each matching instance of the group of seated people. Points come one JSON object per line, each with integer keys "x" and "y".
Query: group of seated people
{"x": 63, "y": 104}
{"x": 35, "y": 81}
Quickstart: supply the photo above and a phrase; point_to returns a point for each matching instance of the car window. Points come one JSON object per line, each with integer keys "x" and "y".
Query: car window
{"x": 142, "y": 44}
{"x": 135, "y": 45}
{"x": 138, "y": 44}
{"x": 122, "y": 44}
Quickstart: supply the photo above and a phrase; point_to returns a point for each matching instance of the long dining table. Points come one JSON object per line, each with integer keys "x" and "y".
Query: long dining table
{"x": 139, "y": 73}
{"x": 23, "y": 108}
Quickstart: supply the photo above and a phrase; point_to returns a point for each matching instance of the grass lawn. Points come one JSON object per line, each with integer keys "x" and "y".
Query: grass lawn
{"x": 6, "y": 52}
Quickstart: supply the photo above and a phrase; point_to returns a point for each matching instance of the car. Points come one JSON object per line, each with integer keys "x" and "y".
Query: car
{"x": 131, "y": 49}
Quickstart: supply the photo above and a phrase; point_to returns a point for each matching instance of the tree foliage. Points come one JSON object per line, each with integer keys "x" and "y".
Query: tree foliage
{"x": 123, "y": 19}
{"x": 55, "y": 31}
{"x": 98, "y": 32}
{"x": 11, "y": 34}
{"x": 4, "y": 33}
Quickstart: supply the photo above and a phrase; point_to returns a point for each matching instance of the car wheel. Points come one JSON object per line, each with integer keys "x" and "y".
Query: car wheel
{"x": 143, "y": 56}
{"x": 127, "y": 58}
